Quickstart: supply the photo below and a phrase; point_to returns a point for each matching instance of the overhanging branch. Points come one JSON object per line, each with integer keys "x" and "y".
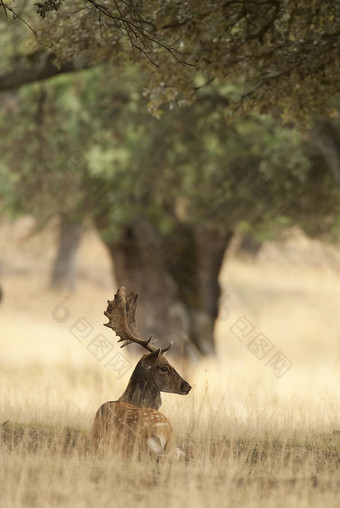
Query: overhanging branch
{"x": 36, "y": 67}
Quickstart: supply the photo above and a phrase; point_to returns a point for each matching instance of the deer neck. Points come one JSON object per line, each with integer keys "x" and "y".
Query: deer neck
{"x": 141, "y": 392}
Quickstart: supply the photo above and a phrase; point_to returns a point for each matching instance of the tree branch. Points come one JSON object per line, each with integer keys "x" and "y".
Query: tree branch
{"x": 36, "y": 67}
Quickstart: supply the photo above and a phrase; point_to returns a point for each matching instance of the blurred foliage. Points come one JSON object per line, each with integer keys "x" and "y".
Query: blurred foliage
{"x": 85, "y": 145}
{"x": 278, "y": 53}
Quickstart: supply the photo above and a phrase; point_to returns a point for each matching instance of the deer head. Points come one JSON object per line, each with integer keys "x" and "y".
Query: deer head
{"x": 153, "y": 373}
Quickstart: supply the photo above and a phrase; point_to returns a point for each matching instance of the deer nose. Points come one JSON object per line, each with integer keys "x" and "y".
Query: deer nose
{"x": 185, "y": 387}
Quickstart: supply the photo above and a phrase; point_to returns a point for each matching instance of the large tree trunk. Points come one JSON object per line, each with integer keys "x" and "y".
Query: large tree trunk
{"x": 177, "y": 280}
{"x": 211, "y": 246}
{"x": 64, "y": 269}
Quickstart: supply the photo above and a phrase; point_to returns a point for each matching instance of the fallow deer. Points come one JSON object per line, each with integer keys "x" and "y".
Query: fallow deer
{"x": 133, "y": 422}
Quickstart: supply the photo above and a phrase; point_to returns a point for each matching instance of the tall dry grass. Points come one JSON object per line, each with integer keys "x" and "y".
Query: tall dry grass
{"x": 251, "y": 439}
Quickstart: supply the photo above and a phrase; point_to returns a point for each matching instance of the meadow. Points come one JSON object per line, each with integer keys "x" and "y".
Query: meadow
{"x": 255, "y": 434}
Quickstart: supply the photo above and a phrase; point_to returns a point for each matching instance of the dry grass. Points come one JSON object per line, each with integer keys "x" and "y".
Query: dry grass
{"x": 251, "y": 439}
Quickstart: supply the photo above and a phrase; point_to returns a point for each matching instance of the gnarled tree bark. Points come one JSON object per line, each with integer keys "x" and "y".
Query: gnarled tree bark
{"x": 177, "y": 279}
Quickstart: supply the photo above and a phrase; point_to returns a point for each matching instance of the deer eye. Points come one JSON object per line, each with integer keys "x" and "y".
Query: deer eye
{"x": 164, "y": 369}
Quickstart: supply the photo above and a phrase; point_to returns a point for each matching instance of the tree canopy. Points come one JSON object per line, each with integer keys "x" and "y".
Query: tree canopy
{"x": 191, "y": 167}
{"x": 278, "y": 53}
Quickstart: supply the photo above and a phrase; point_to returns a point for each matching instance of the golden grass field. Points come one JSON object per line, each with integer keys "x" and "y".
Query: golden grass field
{"x": 252, "y": 439}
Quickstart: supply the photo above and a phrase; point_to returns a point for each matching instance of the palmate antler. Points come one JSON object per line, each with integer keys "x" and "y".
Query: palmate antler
{"x": 121, "y": 312}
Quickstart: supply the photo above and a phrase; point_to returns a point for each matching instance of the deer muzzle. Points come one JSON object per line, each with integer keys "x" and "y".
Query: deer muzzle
{"x": 184, "y": 388}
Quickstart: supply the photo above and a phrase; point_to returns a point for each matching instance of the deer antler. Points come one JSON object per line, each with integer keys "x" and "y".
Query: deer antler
{"x": 121, "y": 312}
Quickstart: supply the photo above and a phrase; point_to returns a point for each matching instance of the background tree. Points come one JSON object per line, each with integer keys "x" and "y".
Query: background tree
{"x": 166, "y": 195}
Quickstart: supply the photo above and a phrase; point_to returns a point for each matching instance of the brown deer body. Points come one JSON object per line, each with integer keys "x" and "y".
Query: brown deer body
{"x": 133, "y": 423}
